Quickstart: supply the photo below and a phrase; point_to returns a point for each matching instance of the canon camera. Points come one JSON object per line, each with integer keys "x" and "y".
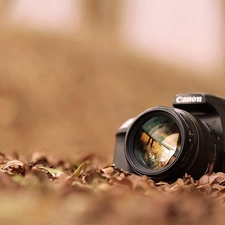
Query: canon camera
{"x": 164, "y": 143}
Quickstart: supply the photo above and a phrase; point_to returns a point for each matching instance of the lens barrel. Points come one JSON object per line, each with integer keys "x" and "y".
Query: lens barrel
{"x": 164, "y": 143}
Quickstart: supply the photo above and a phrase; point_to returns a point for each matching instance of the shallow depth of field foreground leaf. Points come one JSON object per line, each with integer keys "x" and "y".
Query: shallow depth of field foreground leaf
{"x": 50, "y": 190}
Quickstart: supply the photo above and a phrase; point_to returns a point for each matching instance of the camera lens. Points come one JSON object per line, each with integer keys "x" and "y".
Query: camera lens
{"x": 157, "y": 143}
{"x": 164, "y": 143}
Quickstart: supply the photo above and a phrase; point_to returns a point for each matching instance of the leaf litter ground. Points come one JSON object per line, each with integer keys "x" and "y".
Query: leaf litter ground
{"x": 44, "y": 189}
{"x": 48, "y": 190}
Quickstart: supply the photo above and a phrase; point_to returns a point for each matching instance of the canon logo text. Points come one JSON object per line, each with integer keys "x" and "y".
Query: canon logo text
{"x": 188, "y": 99}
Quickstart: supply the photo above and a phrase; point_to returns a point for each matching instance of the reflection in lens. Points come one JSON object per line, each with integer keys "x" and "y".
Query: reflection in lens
{"x": 159, "y": 142}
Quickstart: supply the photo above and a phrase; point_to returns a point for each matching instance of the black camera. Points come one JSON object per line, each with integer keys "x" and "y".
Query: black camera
{"x": 164, "y": 143}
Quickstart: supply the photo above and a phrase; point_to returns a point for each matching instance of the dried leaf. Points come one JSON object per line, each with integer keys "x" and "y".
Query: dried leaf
{"x": 79, "y": 170}
{"x": 53, "y": 173}
{"x": 108, "y": 170}
{"x": 221, "y": 178}
{"x": 14, "y": 167}
{"x": 212, "y": 178}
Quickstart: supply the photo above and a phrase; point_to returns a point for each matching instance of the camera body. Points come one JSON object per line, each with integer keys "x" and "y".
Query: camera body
{"x": 164, "y": 143}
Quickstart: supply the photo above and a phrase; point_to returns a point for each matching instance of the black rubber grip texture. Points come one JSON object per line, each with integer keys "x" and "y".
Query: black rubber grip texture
{"x": 205, "y": 152}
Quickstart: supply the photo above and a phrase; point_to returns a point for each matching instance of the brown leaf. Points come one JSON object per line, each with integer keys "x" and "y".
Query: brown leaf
{"x": 108, "y": 170}
{"x": 221, "y": 178}
{"x": 14, "y": 167}
{"x": 212, "y": 178}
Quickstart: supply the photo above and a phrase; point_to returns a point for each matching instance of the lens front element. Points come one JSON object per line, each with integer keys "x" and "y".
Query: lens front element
{"x": 158, "y": 142}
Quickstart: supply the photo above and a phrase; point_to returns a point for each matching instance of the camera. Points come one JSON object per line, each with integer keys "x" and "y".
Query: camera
{"x": 164, "y": 143}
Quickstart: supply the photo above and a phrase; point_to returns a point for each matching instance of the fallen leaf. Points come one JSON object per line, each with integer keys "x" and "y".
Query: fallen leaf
{"x": 79, "y": 170}
{"x": 53, "y": 173}
{"x": 14, "y": 167}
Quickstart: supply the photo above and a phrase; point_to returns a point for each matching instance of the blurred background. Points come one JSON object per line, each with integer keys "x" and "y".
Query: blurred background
{"x": 71, "y": 72}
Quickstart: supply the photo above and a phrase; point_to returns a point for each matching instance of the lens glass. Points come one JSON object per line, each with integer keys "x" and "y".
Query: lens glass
{"x": 158, "y": 142}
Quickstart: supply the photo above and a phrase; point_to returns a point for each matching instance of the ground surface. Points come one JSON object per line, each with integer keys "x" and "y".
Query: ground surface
{"x": 50, "y": 190}
{"x": 62, "y": 99}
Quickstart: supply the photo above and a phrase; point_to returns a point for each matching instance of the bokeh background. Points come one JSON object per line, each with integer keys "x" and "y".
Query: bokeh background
{"x": 71, "y": 72}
